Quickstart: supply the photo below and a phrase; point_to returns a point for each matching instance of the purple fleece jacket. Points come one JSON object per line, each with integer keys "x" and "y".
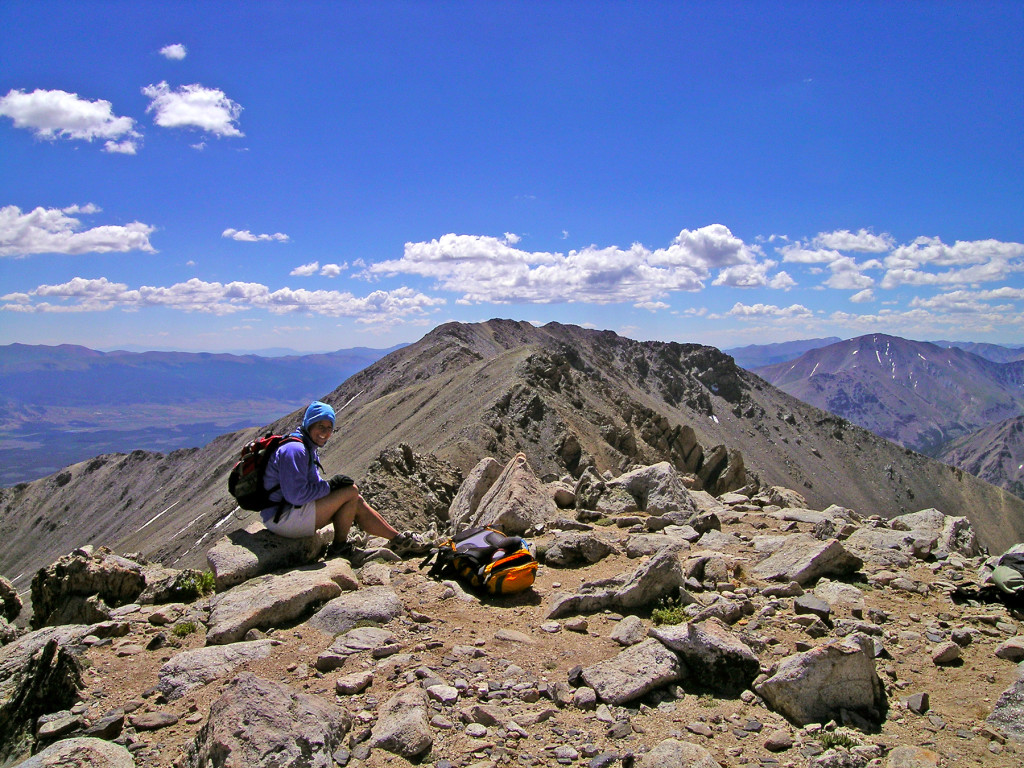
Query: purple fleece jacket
{"x": 300, "y": 482}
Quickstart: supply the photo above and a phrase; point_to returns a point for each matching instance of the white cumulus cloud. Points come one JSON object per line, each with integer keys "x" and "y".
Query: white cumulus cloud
{"x": 93, "y": 295}
{"x": 490, "y": 270}
{"x": 245, "y": 236}
{"x": 193, "y": 106}
{"x": 59, "y": 114}
{"x": 306, "y": 270}
{"x": 862, "y": 240}
{"x": 51, "y": 230}
{"x": 175, "y": 52}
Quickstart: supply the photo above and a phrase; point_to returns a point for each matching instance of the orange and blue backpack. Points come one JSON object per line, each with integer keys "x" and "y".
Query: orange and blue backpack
{"x": 486, "y": 560}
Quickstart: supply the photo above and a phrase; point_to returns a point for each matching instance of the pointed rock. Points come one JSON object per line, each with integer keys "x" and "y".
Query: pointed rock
{"x": 403, "y": 726}
{"x": 804, "y": 559}
{"x": 517, "y": 500}
{"x": 476, "y": 485}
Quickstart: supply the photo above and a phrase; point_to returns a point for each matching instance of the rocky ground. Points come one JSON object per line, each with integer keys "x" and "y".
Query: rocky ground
{"x": 519, "y": 680}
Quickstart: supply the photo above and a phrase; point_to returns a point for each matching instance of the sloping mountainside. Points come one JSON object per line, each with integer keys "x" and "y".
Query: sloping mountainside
{"x": 995, "y": 453}
{"x": 568, "y": 398}
{"x": 759, "y": 355}
{"x": 913, "y": 393}
{"x": 60, "y": 405}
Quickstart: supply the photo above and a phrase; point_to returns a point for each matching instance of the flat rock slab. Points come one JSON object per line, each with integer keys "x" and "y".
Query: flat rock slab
{"x": 377, "y": 604}
{"x": 661, "y": 576}
{"x": 82, "y": 752}
{"x": 264, "y": 724}
{"x": 804, "y": 559}
{"x": 672, "y": 753}
{"x": 253, "y": 551}
{"x": 194, "y": 669}
{"x": 276, "y": 599}
{"x": 634, "y": 672}
{"x": 354, "y": 641}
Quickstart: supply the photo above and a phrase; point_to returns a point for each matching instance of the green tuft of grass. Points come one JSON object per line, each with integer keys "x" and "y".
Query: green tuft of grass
{"x": 184, "y": 629}
{"x": 829, "y": 739}
{"x": 668, "y": 611}
{"x": 191, "y": 584}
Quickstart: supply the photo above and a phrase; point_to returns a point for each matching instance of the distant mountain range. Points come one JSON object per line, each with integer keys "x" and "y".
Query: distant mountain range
{"x": 959, "y": 406}
{"x": 755, "y": 356}
{"x": 62, "y": 404}
{"x": 574, "y": 401}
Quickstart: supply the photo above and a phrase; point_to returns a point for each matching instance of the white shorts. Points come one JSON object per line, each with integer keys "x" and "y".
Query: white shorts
{"x": 294, "y": 523}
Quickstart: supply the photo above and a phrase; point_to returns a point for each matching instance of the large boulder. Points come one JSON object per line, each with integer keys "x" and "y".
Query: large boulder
{"x": 952, "y": 534}
{"x": 672, "y": 753}
{"x": 819, "y": 684}
{"x": 660, "y": 577}
{"x": 377, "y": 604}
{"x": 403, "y": 726}
{"x": 82, "y": 587}
{"x": 516, "y": 502}
{"x": 714, "y": 655}
{"x": 1008, "y": 713}
{"x": 264, "y": 724}
{"x": 81, "y": 752}
{"x": 657, "y": 489}
{"x": 575, "y": 549}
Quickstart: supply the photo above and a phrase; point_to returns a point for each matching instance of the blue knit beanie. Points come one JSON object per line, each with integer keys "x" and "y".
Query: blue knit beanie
{"x": 317, "y": 411}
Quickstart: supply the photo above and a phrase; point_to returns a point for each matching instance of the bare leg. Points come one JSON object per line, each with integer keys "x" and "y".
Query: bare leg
{"x": 345, "y": 506}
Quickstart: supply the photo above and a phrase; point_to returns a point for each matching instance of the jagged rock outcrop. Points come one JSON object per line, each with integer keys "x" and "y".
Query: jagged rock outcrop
{"x": 40, "y": 672}
{"x": 412, "y": 490}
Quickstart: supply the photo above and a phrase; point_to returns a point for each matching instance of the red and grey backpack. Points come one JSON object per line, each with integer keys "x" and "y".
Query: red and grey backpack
{"x": 245, "y": 482}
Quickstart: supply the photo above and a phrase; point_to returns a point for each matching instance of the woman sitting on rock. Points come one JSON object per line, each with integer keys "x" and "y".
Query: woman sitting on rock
{"x": 304, "y": 502}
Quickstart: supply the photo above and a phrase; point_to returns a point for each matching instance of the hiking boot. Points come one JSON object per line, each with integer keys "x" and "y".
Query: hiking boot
{"x": 408, "y": 543}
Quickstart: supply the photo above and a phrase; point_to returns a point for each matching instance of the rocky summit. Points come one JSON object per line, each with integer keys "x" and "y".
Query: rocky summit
{"x": 668, "y": 627}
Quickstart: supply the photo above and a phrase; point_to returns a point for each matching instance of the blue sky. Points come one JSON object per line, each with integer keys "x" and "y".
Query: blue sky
{"x": 224, "y": 176}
